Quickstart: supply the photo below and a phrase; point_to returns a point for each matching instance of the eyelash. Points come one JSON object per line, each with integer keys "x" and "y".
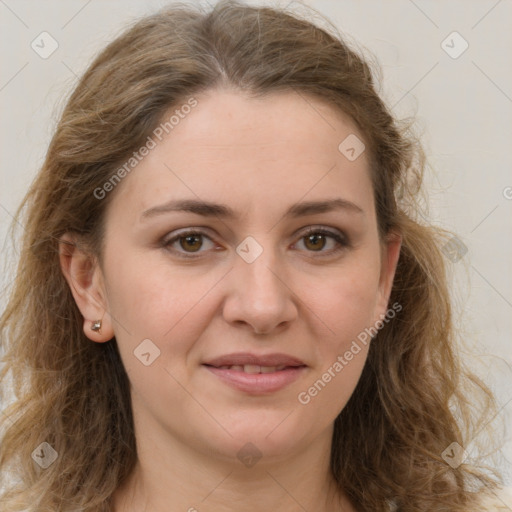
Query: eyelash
{"x": 341, "y": 240}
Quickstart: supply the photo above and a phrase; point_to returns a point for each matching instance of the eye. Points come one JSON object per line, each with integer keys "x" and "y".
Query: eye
{"x": 315, "y": 239}
{"x": 189, "y": 242}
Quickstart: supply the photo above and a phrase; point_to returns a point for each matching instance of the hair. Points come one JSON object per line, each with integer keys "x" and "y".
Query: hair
{"x": 414, "y": 397}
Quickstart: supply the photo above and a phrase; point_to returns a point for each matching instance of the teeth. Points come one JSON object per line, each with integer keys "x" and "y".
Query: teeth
{"x": 254, "y": 368}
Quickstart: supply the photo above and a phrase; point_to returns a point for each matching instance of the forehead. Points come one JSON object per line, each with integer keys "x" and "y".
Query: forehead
{"x": 249, "y": 152}
{"x": 230, "y": 121}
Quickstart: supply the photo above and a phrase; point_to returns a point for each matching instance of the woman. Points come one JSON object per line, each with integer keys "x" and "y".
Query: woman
{"x": 224, "y": 299}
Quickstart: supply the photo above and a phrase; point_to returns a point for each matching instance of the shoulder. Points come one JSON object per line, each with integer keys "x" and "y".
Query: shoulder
{"x": 495, "y": 500}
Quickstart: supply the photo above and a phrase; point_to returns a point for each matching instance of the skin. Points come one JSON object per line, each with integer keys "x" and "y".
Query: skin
{"x": 258, "y": 156}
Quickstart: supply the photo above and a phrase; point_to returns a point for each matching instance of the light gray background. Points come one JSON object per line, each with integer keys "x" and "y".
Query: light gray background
{"x": 463, "y": 107}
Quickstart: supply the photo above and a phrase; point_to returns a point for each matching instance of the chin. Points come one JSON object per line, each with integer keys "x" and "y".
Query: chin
{"x": 267, "y": 437}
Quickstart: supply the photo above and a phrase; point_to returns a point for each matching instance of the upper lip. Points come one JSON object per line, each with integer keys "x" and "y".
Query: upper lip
{"x": 241, "y": 359}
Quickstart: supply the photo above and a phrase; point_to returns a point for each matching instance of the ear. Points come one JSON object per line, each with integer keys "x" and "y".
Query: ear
{"x": 389, "y": 260}
{"x": 85, "y": 279}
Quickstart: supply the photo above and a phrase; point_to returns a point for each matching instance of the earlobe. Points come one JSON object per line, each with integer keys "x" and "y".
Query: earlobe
{"x": 84, "y": 278}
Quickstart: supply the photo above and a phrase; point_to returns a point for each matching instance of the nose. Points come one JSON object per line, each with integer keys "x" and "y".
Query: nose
{"x": 260, "y": 296}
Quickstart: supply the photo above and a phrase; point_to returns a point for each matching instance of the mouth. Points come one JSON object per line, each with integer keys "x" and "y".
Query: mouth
{"x": 256, "y": 375}
{"x": 253, "y": 368}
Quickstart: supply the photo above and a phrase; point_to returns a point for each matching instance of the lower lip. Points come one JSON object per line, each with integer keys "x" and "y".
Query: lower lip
{"x": 258, "y": 383}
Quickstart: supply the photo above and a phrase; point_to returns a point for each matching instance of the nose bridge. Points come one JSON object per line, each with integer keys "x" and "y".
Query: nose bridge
{"x": 259, "y": 295}
{"x": 259, "y": 265}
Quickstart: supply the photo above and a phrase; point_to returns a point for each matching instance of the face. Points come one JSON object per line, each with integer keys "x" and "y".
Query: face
{"x": 236, "y": 319}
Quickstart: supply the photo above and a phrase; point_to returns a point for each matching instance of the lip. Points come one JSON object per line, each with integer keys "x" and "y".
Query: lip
{"x": 257, "y": 383}
{"x": 243, "y": 358}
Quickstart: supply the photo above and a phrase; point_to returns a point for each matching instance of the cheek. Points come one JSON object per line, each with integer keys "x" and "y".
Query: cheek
{"x": 345, "y": 306}
{"x": 157, "y": 303}
{"x": 356, "y": 302}
{"x": 346, "y": 300}
{"x": 341, "y": 351}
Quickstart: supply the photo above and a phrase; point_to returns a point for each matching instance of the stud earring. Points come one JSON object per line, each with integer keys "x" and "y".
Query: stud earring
{"x": 96, "y": 326}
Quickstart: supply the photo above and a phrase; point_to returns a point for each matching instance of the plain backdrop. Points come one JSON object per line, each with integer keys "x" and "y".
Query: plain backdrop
{"x": 457, "y": 85}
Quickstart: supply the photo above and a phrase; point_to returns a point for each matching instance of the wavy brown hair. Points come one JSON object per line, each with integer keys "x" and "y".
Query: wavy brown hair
{"x": 414, "y": 397}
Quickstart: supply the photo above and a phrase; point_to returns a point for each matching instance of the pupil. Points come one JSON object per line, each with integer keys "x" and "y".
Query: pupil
{"x": 190, "y": 239}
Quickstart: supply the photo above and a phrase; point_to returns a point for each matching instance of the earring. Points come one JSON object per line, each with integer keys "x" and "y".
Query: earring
{"x": 96, "y": 326}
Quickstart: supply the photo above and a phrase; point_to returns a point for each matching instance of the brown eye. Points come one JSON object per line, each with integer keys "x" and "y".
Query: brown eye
{"x": 324, "y": 241}
{"x": 315, "y": 241}
{"x": 192, "y": 242}
{"x": 186, "y": 243}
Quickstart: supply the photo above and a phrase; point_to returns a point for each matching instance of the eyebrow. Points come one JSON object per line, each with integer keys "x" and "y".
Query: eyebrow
{"x": 209, "y": 209}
